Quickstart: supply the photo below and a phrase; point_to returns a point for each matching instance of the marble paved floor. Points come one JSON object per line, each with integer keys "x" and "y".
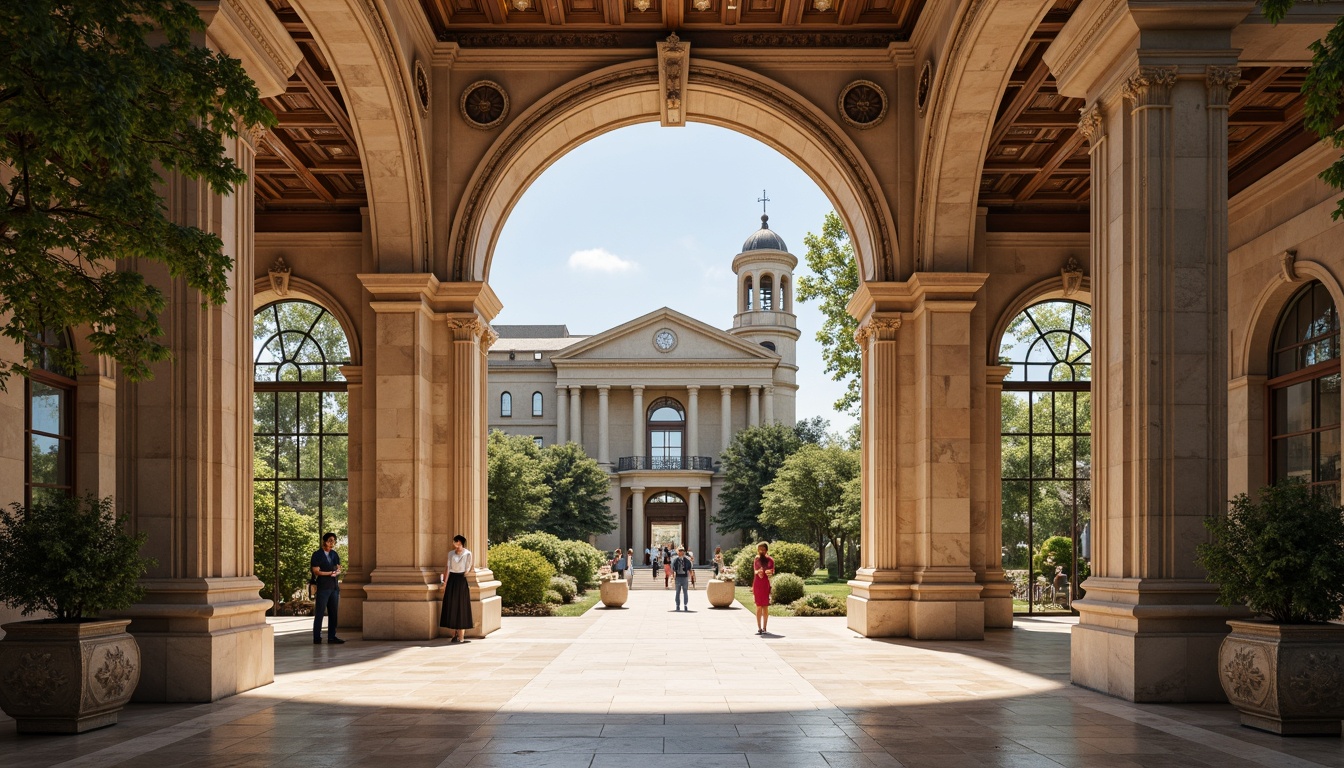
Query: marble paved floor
{"x": 643, "y": 687}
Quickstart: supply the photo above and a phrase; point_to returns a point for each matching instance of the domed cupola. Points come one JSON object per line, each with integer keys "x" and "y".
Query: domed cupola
{"x": 764, "y": 239}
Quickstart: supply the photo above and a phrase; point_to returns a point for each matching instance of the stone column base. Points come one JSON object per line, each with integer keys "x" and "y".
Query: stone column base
{"x": 201, "y": 639}
{"x": 1148, "y": 640}
{"x": 946, "y": 612}
{"x": 352, "y": 601}
{"x": 879, "y": 604}
{"x": 997, "y": 596}
{"x": 410, "y": 611}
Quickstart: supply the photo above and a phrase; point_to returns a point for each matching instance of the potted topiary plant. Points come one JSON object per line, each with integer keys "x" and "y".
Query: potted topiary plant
{"x": 71, "y": 558}
{"x": 1282, "y": 555}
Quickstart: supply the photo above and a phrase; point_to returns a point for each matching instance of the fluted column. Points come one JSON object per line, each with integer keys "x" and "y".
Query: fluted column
{"x": 725, "y": 417}
{"x": 769, "y": 404}
{"x": 576, "y": 414}
{"x": 603, "y": 431}
{"x": 693, "y": 523}
{"x": 996, "y": 592}
{"x": 637, "y": 520}
{"x": 754, "y": 407}
{"x": 692, "y": 421}
{"x": 1156, "y": 120}
{"x": 561, "y": 414}
{"x": 637, "y": 420}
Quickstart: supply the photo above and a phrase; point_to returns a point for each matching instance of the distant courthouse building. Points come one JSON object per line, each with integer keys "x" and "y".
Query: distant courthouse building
{"x": 657, "y": 399}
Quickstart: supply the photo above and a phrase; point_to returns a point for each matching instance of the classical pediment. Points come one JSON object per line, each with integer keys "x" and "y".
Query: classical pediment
{"x": 665, "y": 335}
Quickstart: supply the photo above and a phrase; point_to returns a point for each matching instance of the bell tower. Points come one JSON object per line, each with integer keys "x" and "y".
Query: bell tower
{"x": 764, "y": 274}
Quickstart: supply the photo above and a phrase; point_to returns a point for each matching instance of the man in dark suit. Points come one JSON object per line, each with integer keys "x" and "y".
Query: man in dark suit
{"x": 326, "y": 565}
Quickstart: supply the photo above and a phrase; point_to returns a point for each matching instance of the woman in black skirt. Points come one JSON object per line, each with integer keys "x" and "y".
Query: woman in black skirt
{"x": 456, "y": 612}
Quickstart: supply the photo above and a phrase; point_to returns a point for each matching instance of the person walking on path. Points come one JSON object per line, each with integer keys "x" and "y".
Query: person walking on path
{"x": 718, "y": 561}
{"x": 653, "y": 561}
{"x": 667, "y": 567}
{"x": 618, "y": 564}
{"x": 763, "y": 568}
{"x": 681, "y": 566}
{"x": 630, "y": 565}
{"x": 326, "y": 565}
{"x": 456, "y": 611}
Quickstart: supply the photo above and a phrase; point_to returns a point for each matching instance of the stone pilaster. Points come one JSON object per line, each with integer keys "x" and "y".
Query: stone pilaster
{"x": 996, "y": 593}
{"x": 769, "y": 404}
{"x": 637, "y": 419}
{"x": 754, "y": 406}
{"x": 725, "y": 417}
{"x": 576, "y": 413}
{"x": 561, "y": 414}
{"x": 916, "y": 576}
{"x": 637, "y": 520}
{"x": 360, "y": 555}
{"x": 1156, "y": 118}
{"x": 692, "y": 420}
{"x": 693, "y": 522}
{"x": 430, "y": 463}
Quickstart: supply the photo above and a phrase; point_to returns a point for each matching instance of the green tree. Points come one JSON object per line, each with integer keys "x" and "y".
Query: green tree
{"x": 294, "y": 549}
{"x": 808, "y": 499}
{"x": 580, "y": 495}
{"x": 749, "y": 464}
{"x": 97, "y": 98}
{"x": 518, "y": 492}
{"x": 1324, "y": 89}
{"x": 835, "y": 278}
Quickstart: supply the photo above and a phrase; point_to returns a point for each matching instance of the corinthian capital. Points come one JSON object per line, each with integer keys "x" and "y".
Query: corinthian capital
{"x": 1089, "y": 124}
{"x": 1150, "y": 86}
{"x": 1221, "y": 82}
{"x": 882, "y": 328}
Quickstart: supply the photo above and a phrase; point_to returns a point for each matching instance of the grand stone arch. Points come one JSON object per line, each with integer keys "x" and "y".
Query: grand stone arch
{"x": 986, "y": 40}
{"x": 718, "y": 94}
{"x": 372, "y": 75}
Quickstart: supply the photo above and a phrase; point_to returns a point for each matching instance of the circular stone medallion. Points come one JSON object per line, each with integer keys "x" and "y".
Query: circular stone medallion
{"x": 422, "y": 87}
{"x": 923, "y": 87}
{"x": 863, "y": 104}
{"x": 664, "y": 340}
{"x": 484, "y": 104}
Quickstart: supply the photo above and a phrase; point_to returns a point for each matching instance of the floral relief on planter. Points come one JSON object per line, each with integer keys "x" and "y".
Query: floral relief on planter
{"x": 112, "y": 671}
{"x": 35, "y": 681}
{"x": 1315, "y": 681}
{"x": 1245, "y": 672}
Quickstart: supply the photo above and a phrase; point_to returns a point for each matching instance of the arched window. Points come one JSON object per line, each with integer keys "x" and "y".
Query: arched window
{"x": 506, "y": 404}
{"x": 666, "y": 430}
{"x": 784, "y": 298}
{"x": 666, "y": 497}
{"x": 1046, "y": 458}
{"x": 747, "y": 295}
{"x": 49, "y": 420}
{"x": 300, "y": 426}
{"x": 536, "y": 404}
{"x": 767, "y": 293}
{"x": 770, "y": 345}
{"x": 1304, "y": 391}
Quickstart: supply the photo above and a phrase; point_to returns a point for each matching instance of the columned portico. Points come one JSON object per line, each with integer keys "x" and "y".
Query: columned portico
{"x": 1156, "y": 117}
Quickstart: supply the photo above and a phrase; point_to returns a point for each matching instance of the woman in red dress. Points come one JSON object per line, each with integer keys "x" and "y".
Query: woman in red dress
{"x": 764, "y": 568}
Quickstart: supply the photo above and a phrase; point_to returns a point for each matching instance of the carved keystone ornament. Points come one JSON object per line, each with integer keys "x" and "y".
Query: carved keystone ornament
{"x": 673, "y": 73}
{"x": 279, "y": 274}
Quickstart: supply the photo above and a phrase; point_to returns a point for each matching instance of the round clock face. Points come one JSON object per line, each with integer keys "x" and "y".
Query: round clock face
{"x": 665, "y": 340}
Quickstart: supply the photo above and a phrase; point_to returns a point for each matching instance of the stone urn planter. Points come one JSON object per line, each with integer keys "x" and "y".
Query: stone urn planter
{"x": 1285, "y": 678}
{"x": 67, "y": 677}
{"x": 720, "y": 592}
{"x": 614, "y": 592}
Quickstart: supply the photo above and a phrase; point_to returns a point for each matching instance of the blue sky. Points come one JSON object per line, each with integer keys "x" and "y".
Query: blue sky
{"x": 646, "y": 217}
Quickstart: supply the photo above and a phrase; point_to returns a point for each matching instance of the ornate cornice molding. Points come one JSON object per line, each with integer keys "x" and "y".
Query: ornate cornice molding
{"x": 705, "y": 39}
{"x": 247, "y": 30}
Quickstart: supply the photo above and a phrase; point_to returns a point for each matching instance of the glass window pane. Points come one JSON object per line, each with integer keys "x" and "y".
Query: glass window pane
{"x": 1013, "y": 413}
{"x": 1015, "y": 462}
{"x": 263, "y": 448}
{"x": 1292, "y": 458}
{"x": 1064, "y": 464}
{"x": 1328, "y": 400}
{"x": 286, "y": 456}
{"x": 1084, "y": 457}
{"x": 335, "y": 505}
{"x": 49, "y": 408}
{"x": 301, "y": 495}
{"x": 335, "y": 452}
{"x": 263, "y": 413}
{"x": 310, "y": 459}
{"x": 1327, "y": 457}
{"x": 1042, "y": 456}
{"x": 1296, "y": 411}
{"x": 287, "y": 410}
{"x": 1016, "y": 545}
{"x": 48, "y": 458}
{"x": 335, "y": 407}
{"x": 1064, "y": 406}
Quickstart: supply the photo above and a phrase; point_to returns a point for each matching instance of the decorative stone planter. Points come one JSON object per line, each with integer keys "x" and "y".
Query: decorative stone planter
{"x": 720, "y": 593}
{"x": 67, "y": 678}
{"x": 1285, "y": 678}
{"x": 614, "y": 592}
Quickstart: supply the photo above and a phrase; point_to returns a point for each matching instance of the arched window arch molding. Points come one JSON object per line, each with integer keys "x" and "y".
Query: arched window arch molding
{"x": 1248, "y": 393}
{"x": 1252, "y": 357}
{"x": 302, "y": 290}
{"x": 1046, "y": 290}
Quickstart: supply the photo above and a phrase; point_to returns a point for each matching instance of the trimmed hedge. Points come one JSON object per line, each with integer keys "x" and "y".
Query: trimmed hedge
{"x": 564, "y": 586}
{"x": 818, "y": 604}
{"x": 529, "y": 609}
{"x": 524, "y": 576}
{"x": 786, "y": 588}
{"x": 576, "y": 559}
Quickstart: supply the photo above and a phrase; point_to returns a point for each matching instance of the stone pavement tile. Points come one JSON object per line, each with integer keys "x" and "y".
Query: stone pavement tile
{"x": 538, "y": 730}
{"x": 535, "y": 760}
{"x": 575, "y": 744}
{"x": 771, "y": 744}
{"x": 787, "y": 760}
{"x": 861, "y": 760}
{"x": 607, "y": 760}
{"x": 672, "y": 731}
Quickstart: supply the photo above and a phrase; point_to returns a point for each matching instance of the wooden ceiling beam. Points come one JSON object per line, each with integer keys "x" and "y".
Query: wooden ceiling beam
{"x": 305, "y": 118}
{"x": 615, "y": 12}
{"x": 792, "y": 14}
{"x": 495, "y": 10}
{"x": 322, "y": 97}
{"x": 849, "y": 11}
{"x": 1063, "y": 151}
{"x": 1268, "y": 135}
{"x": 1038, "y": 72}
{"x": 1244, "y": 95}
{"x": 674, "y": 12}
{"x": 552, "y": 10}
{"x": 280, "y": 146}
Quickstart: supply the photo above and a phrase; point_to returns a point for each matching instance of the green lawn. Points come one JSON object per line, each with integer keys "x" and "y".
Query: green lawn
{"x": 838, "y": 589}
{"x": 581, "y": 603}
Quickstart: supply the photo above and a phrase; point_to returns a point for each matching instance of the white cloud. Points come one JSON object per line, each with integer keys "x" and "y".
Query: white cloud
{"x": 599, "y": 260}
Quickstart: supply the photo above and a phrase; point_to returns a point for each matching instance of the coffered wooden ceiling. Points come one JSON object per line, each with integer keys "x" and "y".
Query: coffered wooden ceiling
{"x": 1037, "y": 170}
{"x": 706, "y": 22}
{"x": 308, "y": 174}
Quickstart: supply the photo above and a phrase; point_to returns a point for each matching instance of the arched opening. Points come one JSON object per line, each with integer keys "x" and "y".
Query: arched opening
{"x": 49, "y": 420}
{"x": 536, "y": 405}
{"x": 767, "y": 293}
{"x": 1046, "y": 454}
{"x": 748, "y": 296}
{"x": 785, "y": 301}
{"x": 1304, "y": 391}
{"x": 300, "y": 422}
{"x": 666, "y": 428}
{"x": 666, "y": 516}
{"x": 506, "y": 404}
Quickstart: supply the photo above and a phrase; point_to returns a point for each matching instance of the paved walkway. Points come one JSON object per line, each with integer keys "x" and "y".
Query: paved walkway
{"x": 644, "y": 687}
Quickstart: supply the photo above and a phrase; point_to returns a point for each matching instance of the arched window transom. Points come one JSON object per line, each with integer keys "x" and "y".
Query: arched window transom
{"x": 1304, "y": 391}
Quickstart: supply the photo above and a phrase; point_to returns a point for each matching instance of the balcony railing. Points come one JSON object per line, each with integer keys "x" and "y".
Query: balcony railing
{"x": 661, "y": 463}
